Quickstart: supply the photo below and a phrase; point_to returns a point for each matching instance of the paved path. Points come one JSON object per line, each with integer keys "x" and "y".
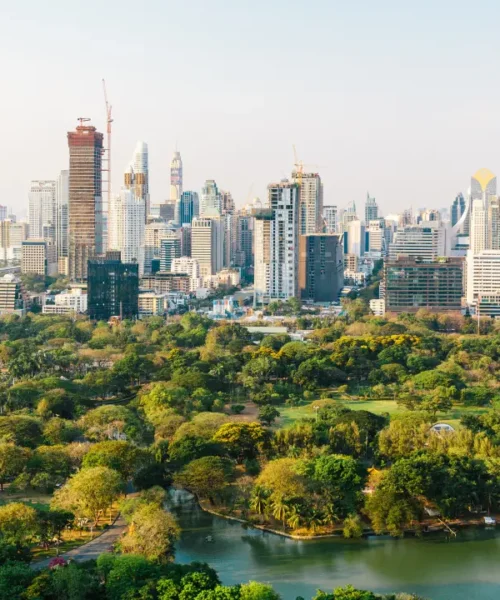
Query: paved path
{"x": 91, "y": 550}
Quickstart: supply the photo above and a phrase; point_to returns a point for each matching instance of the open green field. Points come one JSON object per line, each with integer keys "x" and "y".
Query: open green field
{"x": 379, "y": 407}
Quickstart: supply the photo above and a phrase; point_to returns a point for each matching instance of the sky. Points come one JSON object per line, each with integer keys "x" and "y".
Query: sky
{"x": 400, "y": 99}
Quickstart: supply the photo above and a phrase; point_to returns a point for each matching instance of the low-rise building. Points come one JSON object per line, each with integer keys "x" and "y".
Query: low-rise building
{"x": 72, "y": 301}
{"x": 152, "y": 304}
{"x": 39, "y": 257}
{"x": 164, "y": 282}
{"x": 13, "y": 298}
{"x": 377, "y": 306}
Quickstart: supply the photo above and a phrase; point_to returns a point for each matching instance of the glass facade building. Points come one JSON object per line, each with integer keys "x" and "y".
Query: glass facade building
{"x": 113, "y": 289}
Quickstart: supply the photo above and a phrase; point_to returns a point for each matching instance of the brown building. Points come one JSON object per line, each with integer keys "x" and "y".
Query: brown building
{"x": 321, "y": 267}
{"x": 85, "y": 198}
{"x": 163, "y": 282}
{"x": 411, "y": 284}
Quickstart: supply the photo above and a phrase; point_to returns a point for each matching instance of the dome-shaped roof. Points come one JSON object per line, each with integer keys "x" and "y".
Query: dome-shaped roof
{"x": 483, "y": 177}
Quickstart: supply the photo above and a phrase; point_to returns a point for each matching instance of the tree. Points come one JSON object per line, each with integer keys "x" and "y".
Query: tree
{"x": 390, "y": 511}
{"x": 56, "y": 402}
{"x": 254, "y": 590}
{"x": 206, "y": 477}
{"x": 109, "y": 422}
{"x": 89, "y": 492}
{"x": 280, "y": 478}
{"x": 13, "y": 459}
{"x": 152, "y": 533}
{"x": 191, "y": 447}
{"x": 48, "y": 467}
{"x": 242, "y": 440}
{"x": 268, "y": 414}
{"x": 51, "y": 524}
{"x": 405, "y": 434}
{"x": 120, "y": 456}
{"x": 20, "y": 430}
{"x": 18, "y": 523}
{"x": 14, "y": 580}
{"x": 124, "y": 576}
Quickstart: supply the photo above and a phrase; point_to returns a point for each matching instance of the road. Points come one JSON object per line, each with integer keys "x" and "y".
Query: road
{"x": 91, "y": 550}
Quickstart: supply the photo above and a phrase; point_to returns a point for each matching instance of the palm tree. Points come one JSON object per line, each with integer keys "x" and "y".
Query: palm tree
{"x": 294, "y": 518}
{"x": 330, "y": 514}
{"x": 258, "y": 502}
{"x": 280, "y": 511}
{"x": 315, "y": 520}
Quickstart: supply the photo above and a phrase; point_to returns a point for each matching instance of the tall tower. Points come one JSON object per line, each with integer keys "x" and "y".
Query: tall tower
{"x": 42, "y": 207}
{"x": 127, "y": 227}
{"x": 211, "y": 201}
{"x": 140, "y": 166}
{"x": 371, "y": 209}
{"x": 62, "y": 214}
{"x": 311, "y": 202}
{"x": 484, "y": 212}
{"x": 176, "y": 177}
{"x": 85, "y": 198}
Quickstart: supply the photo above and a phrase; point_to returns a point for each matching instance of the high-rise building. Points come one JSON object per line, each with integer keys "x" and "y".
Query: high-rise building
{"x": 276, "y": 238}
{"x": 39, "y": 257}
{"x": 371, "y": 209}
{"x": 62, "y": 215}
{"x": 483, "y": 184}
{"x": 376, "y": 236}
{"x": 167, "y": 210}
{"x": 485, "y": 213}
{"x": 483, "y": 278}
{"x": 42, "y": 207}
{"x": 244, "y": 241}
{"x": 154, "y": 232}
{"x": 321, "y": 267}
{"x": 169, "y": 250}
{"x": 186, "y": 265}
{"x": 113, "y": 289}
{"x": 411, "y": 284}
{"x": 426, "y": 241}
{"x": 3, "y": 213}
{"x": 210, "y": 201}
{"x": 176, "y": 177}
{"x": 13, "y": 298}
{"x": 354, "y": 238}
{"x": 457, "y": 209}
{"x": 186, "y": 208}
{"x": 137, "y": 176}
{"x": 85, "y": 199}
{"x": 126, "y": 231}
{"x": 310, "y": 202}
{"x": 330, "y": 219}
{"x": 207, "y": 244}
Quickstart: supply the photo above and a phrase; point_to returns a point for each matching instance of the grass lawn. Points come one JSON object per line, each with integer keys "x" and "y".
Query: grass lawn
{"x": 378, "y": 407}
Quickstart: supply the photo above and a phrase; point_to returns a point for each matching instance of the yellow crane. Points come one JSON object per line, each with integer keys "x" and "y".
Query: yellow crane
{"x": 299, "y": 167}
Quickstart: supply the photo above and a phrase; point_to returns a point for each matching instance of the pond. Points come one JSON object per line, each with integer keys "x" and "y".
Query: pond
{"x": 465, "y": 568}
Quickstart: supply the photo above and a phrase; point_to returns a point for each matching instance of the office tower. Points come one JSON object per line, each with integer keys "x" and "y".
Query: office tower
{"x": 276, "y": 244}
{"x": 330, "y": 219}
{"x": 483, "y": 185}
{"x": 176, "y": 177}
{"x": 371, "y": 209}
{"x": 349, "y": 214}
{"x": 457, "y": 209}
{"x": 229, "y": 223}
{"x": 411, "y": 284}
{"x": 3, "y": 213}
{"x": 244, "y": 242}
{"x": 310, "y": 202}
{"x": 137, "y": 175}
{"x": 210, "y": 201}
{"x": 39, "y": 257}
{"x": 42, "y": 206}
{"x": 207, "y": 244}
{"x": 62, "y": 215}
{"x": 13, "y": 298}
{"x": 405, "y": 218}
{"x": 12, "y": 235}
{"x": 85, "y": 198}
{"x": 185, "y": 234}
{"x": 170, "y": 248}
{"x": 186, "y": 208}
{"x": 354, "y": 238}
{"x": 426, "y": 241}
{"x": 376, "y": 236}
{"x": 126, "y": 231}
{"x": 428, "y": 214}
{"x": 263, "y": 227}
{"x": 226, "y": 202}
{"x": 186, "y": 265}
{"x": 154, "y": 232}
{"x": 113, "y": 289}
{"x": 321, "y": 267}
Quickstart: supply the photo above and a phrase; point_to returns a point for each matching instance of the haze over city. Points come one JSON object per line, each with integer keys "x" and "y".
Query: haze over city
{"x": 396, "y": 100}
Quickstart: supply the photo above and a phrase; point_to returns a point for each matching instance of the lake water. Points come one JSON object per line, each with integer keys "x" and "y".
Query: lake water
{"x": 465, "y": 568}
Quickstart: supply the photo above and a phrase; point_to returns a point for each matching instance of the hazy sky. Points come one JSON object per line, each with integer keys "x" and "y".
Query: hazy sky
{"x": 398, "y": 98}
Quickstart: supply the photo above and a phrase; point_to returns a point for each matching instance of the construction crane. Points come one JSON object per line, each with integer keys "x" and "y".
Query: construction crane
{"x": 83, "y": 120}
{"x": 299, "y": 167}
{"x": 109, "y": 120}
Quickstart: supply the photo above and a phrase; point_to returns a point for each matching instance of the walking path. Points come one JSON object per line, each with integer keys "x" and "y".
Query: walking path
{"x": 91, "y": 550}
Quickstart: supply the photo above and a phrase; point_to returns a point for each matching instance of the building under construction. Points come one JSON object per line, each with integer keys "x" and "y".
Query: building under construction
{"x": 86, "y": 224}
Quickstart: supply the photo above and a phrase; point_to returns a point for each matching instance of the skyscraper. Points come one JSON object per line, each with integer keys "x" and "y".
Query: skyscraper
{"x": 207, "y": 244}
{"x": 126, "y": 231}
{"x": 484, "y": 214}
{"x": 62, "y": 214}
{"x": 457, "y": 209}
{"x": 310, "y": 203}
{"x": 321, "y": 267}
{"x": 371, "y": 209}
{"x": 330, "y": 219}
{"x": 42, "y": 207}
{"x": 176, "y": 177}
{"x": 154, "y": 232}
{"x": 85, "y": 198}
{"x": 170, "y": 249}
{"x": 426, "y": 241}
{"x": 113, "y": 289}
{"x": 187, "y": 208}
{"x": 210, "y": 203}
{"x": 137, "y": 178}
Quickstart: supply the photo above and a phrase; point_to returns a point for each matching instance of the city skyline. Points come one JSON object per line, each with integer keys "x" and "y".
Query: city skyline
{"x": 389, "y": 115}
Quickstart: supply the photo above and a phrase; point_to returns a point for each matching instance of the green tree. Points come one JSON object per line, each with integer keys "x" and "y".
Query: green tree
{"x": 120, "y": 456}
{"x": 18, "y": 523}
{"x": 14, "y": 580}
{"x": 89, "y": 492}
{"x": 242, "y": 440}
{"x": 13, "y": 460}
{"x": 206, "y": 477}
{"x": 268, "y": 414}
{"x": 254, "y": 590}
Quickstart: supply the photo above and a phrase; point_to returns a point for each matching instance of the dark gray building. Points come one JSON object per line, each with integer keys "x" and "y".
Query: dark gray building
{"x": 113, "y": 289}
{"x": 321, "y": 267}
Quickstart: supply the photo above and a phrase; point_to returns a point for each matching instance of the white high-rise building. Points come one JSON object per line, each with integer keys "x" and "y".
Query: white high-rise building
{"x": 376, "y": 235}
{"x": 426, "y": 241}
{"x": 62, "y": 214}
{"x": 42, "y": 207}
{"x": 154, "y": 233}
{"x": 310, "y": 203}
{"x": 127, "y": 227}
{"x": 176, "y": 177}
{"x": 330, "y": 219}
{"x": 262, "y": 254}
{"x": 188, "y": 266}
{"x": 483, "y": 274}
{"x": 355, "y": 231}
{"x": 210, "y": 200}
{"x": 207, "y": 244}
